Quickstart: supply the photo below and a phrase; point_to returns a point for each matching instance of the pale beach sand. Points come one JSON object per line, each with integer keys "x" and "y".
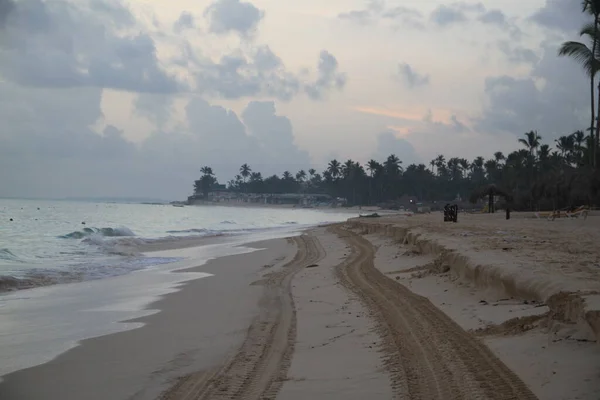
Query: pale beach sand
{"x": 376, "y": 308}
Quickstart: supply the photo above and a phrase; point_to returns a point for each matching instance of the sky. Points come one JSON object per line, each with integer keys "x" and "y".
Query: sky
{"x": 132, "y": 97}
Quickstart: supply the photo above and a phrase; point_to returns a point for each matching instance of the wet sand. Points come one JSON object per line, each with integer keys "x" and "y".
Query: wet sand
{"x": 197, "y": 327}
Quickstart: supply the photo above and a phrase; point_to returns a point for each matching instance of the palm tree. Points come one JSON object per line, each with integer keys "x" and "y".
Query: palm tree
{"x": 334, "y": 168}
{"x": 312, "y": 172}
{"x": 588, "y": 58}
{"x": 372, "y": 166}
{"x": 245, "y": 171}
{"x": 392, "y": 165}
{"x": 531, "y": 142}
{"x": 432, "y": 164}
{"x": 440, "y": 164}
{"x": 347, "y": 168}
{"x": 301, "y": 175}
{"x": 206, "y": 170}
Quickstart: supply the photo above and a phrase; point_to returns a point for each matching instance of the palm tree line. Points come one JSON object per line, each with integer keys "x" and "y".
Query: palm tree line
{"x": 537, "y": 176}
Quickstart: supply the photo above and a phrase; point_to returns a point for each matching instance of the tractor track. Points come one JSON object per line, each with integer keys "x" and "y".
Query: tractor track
{"x": 427, "y": 354}
{"x": 259, "y": 367}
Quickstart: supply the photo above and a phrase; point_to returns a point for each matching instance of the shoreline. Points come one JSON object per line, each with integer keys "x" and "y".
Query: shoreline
{"x": 145, "y": 360}
{"x": 335, "y": 309}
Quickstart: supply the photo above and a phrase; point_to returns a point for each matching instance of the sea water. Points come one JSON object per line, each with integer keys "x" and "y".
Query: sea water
{"x": 49, "y": 242}
{"x": 75, "y": 270}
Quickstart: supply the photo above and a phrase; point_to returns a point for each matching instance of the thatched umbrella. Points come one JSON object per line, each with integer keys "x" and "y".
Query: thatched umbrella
{"x": 489, "y": 191}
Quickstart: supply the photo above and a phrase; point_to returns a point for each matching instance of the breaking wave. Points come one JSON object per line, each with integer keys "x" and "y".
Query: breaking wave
{"x": 107, "y": 232}
{"x": 6, "y": 254}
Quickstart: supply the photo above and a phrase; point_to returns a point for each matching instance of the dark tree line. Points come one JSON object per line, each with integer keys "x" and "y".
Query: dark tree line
{"x": 537, "y": 176}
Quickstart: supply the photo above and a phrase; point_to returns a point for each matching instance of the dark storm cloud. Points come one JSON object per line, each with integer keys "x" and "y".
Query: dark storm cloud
{"x": 412, "y": 78}
{"x": 328, "y": 77}
{"x": 226, "y": 16}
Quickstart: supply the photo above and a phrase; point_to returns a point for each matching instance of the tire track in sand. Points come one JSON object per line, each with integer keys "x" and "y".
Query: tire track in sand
{"x": 427, "y": 354}
{"x": 259, "y": 367}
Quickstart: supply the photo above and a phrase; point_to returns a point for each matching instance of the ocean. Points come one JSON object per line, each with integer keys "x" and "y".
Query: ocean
{"x": 75, "y": 270}
{"x": 52, "y": 242}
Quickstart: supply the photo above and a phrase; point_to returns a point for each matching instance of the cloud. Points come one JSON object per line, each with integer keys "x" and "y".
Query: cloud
{"x": 184, "y": 22}
{"x": 276, "y": 135}
{"x": 554, "y": 99}
{"x": 388, "y": 143}
{"x": 560, "y": 16}
{"x": 6, "y": 7}
{"x": 494, "y": 17}
{"x": 518, "y": 54}
{"x": 238, "y": 75}
{"x": 411, "y": 77}
{"x": 328, "y": 77}
{"x": 39, "y": 48}
{"x": 157, "y": 108}
{"x": 377, "y": 11}
{"x": 447, "y": 15}
{"x": 362, "y": 17}
{"x": 47, "y": 147}
{"x": 227, "y": 16}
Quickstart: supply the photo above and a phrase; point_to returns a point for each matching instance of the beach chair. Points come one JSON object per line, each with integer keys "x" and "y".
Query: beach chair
{"x": 550, "y": 215}
{"x": 581, "y": 211}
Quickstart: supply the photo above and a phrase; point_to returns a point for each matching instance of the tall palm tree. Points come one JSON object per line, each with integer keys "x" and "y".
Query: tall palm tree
{"x": 206, "y": 170}
{"x": 334, "y": 168}
{"x": 301, "y": 175}
{"x": 347, "y": 168}
{"x": 372, "y": 166}
{"x": 245, "y": 171}
{"x": 588, "y": 58}
{"x": 440, "y": 164}
{"x": 531, "y": 142}
{"x": 392, "y": 165}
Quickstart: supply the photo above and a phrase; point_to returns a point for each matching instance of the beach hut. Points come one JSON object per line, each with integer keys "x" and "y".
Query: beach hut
{"x": 490, "y": 191}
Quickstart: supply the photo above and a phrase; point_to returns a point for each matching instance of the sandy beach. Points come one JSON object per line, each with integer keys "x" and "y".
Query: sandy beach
{"x": 381, "y": 308}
